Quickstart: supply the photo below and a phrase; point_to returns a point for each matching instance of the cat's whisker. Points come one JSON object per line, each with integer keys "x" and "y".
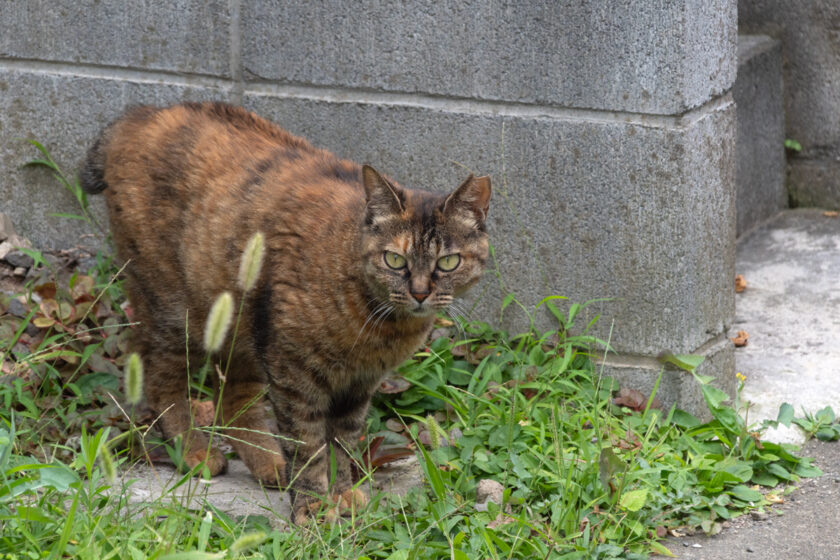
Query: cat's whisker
{"x": 370, "y": 317}
{"x": 381, "y": 320}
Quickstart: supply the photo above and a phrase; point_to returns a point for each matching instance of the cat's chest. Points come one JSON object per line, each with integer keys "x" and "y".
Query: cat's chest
{"x": 382, "y": 353}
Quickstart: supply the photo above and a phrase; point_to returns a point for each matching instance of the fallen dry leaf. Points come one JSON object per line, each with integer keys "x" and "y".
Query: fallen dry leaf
{"x": 392, "y": 385}
{"x": 831, "y": 213}
{"x": 740, "y": 339}
{"x": 740, "y": 284}
{"x": 635, "y": 400}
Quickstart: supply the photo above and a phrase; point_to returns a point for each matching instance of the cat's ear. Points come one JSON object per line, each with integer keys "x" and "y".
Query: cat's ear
{"x": 470, "y": 202}
{"x": 384, "y": 200}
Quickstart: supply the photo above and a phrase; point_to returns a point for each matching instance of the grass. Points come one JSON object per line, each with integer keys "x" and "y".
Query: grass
{"x": 580, "y": 475}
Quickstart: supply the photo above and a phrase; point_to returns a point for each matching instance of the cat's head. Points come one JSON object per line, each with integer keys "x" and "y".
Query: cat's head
{"x": 422, "y": 249}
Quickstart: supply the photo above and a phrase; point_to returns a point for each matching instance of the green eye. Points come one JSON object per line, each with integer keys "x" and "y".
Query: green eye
{"x": 395, "y": 261}
{"x": 449, "y": 262}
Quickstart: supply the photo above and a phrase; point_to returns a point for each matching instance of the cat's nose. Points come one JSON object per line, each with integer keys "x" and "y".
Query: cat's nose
{"x": 420, "y": 296}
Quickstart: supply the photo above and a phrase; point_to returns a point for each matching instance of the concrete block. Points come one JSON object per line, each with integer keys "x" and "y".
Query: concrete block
{"x": 761, "y": 131}
{"x": 65, "y": 113}
{"x": 811, "y": 48}
{"x": 182, "y": 36}
{"x": 678, "y": 386}
{"x": 814, "y": 183}
{"x": 635, "y": 55}
{"x": 586, "y": 209}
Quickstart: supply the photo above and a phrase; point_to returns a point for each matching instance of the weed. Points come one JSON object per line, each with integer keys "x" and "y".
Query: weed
{"x": 581, "y": 476}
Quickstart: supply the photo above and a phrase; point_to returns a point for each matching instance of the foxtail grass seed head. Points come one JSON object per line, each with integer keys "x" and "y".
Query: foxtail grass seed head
{"x": 251, "y": 263}
{"x": 247, "y": 541}
{"x": 133, "y": 379}
{"x": 218, "y": 322}
{"x": 435, "y": 431}
{"x": 107, "y": 462}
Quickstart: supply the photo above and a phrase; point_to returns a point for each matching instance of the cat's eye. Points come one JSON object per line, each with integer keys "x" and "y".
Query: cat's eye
{"x": 394, "y": 260}
{"x": 449, "y": 263}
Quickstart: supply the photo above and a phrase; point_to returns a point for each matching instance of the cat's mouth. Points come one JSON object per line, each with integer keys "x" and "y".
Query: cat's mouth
{"x": 421, "y": 310}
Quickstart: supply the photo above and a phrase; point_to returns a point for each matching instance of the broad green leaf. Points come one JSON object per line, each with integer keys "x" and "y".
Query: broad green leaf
{"x": 765, "y": 479}
{"x": 687, "y": 362}
{"x": 785, "y": 414}
{"x": 634, "y": 500}
{"x": 660, "y": 548}
{"x": 714, "y": 396}
{"x": 746, "y": 494}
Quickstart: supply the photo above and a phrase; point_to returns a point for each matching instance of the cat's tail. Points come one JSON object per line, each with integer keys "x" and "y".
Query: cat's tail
{"x": 92, "y": 175}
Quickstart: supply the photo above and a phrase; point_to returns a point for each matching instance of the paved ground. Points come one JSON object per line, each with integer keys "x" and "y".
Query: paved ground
{"x": 791, "y": 310}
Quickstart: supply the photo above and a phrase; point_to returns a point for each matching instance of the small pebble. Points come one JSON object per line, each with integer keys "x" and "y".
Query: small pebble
{"x": 749, "y": 549}
{"x": 17, "y": 309}
{"x": 19, "y": 271}
{"x": 19, "y": 259}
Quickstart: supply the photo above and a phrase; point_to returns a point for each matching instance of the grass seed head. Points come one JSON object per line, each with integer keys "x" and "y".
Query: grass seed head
{"x": 218, "y": 322}
{"x": 133, "y": 379}
{"x": 251, "y": 263}
{"x": 107, "y": 462}
{"x": 247, "y": 541}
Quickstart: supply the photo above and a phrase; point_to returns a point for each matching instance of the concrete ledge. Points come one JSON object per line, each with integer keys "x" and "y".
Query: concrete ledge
{"x": 814, "y": 183}
{"x": 634, "y": 56}
{"x": 678, "y": 386}
{"x": 45, "y": 107}
{"x": 581, "y": 209}
{"x": 182, "y": 35}
{"x": 761, "y": 131}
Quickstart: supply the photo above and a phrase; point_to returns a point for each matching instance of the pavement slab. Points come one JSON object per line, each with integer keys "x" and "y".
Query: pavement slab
{"x": 791, "y": 311}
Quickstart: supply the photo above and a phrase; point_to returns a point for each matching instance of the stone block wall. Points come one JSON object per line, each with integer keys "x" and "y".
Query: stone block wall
{"x": 809, "y": 31}
{"x": 607, "y": 128}
{"x": 760, "y": 153}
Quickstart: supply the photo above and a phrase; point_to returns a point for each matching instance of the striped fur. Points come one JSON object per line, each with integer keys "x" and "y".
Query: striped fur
{"x": 186, "y": 186}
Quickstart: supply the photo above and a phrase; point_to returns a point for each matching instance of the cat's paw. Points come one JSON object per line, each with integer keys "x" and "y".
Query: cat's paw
{"x": 214, "y": 462}
{"x": 314, "y": 510}
{"x": 271, "y": 471}
{"x": 340, "y": 504}
{"x": 351, "y": 499}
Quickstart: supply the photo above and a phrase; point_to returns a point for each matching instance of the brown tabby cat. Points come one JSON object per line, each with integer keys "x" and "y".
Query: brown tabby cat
{"x": 355, "y": 269}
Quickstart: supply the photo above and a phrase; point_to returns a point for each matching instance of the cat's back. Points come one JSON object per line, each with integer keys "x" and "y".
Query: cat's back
{"x": 170, "y": 171}
{"x": 187, "y": 185}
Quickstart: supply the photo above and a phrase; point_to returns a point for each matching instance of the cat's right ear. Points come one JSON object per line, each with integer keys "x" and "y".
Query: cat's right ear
{"x": 384, "y": 200}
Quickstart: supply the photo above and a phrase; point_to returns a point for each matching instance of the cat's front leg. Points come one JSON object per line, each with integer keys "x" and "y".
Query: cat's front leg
{"x": 301, "y": 414}
{"x": 346, "y": 420}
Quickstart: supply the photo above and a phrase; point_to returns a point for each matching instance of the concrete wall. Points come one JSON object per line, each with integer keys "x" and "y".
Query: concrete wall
{"x": 606, "y": 126}
{"x": 760, "y": 153}
{"x": 809, "y": 31}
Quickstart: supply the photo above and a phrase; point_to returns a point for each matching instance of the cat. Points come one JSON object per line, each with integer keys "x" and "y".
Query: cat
{"x": 355, "y": 269}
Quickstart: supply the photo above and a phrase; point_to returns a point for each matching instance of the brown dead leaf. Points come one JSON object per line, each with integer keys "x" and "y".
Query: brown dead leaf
{"x": 203, "y": 412}
{"x": 831, "y": 213}
{"x": 444, "y": 323}
{"x": 392, "y": 385}
{"x": 47, "y": 290}
{"x": 634, "y": 400}
{"x": 394, "y": 425}
{"x": 740, "y": 284}
{"x": 661, "y": 531}
{"x": 740, "y": 339}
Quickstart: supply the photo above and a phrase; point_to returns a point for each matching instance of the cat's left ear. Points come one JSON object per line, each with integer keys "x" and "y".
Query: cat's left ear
{"x": 470, "y": 202}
